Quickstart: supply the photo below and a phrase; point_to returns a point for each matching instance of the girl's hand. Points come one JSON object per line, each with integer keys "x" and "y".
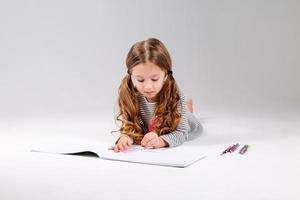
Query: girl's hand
{"x": 123, "y": 144}
{"x": 152, "y": 140}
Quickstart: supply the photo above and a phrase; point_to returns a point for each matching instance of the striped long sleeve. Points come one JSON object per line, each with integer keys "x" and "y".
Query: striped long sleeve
{"x": 188, "y": 128}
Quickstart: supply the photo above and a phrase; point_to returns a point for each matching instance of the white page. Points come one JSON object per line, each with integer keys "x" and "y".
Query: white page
{"x": 181, "y": 156}
{"x": 175, "y": 157}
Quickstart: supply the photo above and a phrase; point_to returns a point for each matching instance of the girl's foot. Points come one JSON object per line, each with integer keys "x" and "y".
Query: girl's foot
{"x": 189, "y": 104}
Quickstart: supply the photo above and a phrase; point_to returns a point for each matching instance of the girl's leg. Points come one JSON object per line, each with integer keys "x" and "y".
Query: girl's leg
{"x": 189, "y": 104}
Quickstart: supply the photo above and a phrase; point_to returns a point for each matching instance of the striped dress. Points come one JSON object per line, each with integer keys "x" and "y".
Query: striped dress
{"x": 188, "y": 129}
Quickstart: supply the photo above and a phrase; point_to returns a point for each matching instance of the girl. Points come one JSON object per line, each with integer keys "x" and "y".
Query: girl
{"x": 153, "y": 111}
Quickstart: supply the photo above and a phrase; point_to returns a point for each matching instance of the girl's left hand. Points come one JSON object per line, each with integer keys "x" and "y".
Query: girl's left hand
{"x": 152, "y": 140}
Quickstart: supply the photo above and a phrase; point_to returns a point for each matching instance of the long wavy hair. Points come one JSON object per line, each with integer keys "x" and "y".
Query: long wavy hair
{"x": 168, "y": 100}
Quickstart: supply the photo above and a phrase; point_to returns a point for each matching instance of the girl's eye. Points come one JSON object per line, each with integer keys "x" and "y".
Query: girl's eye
{"x": 154, "y": 80}
{"x": 140, "y": 81}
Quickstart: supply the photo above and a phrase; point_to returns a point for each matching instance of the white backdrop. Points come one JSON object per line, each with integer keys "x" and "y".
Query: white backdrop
{"x": 68, "y": 57}
{"x": 61, "y": 62}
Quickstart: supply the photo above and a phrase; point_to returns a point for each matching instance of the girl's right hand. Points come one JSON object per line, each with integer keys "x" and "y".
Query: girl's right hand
{"x": 123, "y": 144}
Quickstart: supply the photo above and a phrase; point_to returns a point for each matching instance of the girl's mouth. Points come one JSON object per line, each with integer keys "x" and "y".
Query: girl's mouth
{"x": 149, "y": 93}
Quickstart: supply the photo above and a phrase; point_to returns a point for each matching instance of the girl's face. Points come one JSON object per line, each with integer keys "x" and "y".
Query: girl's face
{"x": 148, "y": 79}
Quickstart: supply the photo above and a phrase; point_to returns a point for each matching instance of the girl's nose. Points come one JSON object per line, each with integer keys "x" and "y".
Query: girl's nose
{"x": 148, "y": 85}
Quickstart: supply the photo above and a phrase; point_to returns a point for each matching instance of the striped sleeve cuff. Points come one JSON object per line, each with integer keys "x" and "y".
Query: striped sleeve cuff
{"x": 175, "y": 138}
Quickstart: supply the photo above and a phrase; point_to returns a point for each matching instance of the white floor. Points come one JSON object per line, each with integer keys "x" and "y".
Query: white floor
{"x": 270, "y": 170}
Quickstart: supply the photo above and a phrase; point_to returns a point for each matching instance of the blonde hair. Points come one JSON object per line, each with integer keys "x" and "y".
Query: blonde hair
{"x": 151, "y": 50}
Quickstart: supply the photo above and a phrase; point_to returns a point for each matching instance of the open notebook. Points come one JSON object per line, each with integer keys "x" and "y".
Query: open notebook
{"x": 172, "y": 157}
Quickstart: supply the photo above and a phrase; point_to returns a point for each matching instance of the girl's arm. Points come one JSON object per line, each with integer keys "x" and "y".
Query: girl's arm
{"x": 180, "y": 135}
{"x": 188, "y": 128}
